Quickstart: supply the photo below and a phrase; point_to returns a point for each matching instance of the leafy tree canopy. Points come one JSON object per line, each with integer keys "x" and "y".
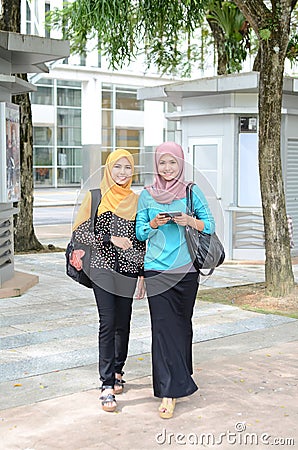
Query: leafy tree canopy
{"x": 164, "y": 31}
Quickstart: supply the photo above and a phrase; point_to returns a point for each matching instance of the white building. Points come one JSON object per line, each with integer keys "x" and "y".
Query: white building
{"x": 218, "y": 117}
{"x": 82, "y": 111}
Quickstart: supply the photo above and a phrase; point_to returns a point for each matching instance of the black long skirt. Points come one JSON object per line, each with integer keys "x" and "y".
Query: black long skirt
{"x": 171, "y": 301}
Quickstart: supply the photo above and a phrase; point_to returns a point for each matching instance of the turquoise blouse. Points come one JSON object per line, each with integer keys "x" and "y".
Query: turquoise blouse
{"x": 166, "y": 246}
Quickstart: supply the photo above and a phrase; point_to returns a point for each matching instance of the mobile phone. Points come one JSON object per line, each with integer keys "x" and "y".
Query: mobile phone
{"x": 171, "y": 214}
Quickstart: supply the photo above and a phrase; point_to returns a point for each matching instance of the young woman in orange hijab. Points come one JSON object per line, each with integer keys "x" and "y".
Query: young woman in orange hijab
{"x": 116, "y": 262}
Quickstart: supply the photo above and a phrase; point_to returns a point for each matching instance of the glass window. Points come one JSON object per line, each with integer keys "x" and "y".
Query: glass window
{"x": 107, "y": 137}
{"x": 248, "y": 173}
{"x": 57, "y": 155}
{"x": 47, "y": 81}
{"x": 47, "y": 8}
{"x": 68, "y": 136}
{"x": 43, "y": 135}
{"x": 169, "y": 136}
{"x": 104, "y": 155}
{"x": 171, "y": 125}
{"x": 68, "y": 97}
{"x": 128, "y": 100}
{"x": 43, "y": 96}
{"x": 69, "y": 117}
{"x": 43, "y": 176}
{"x": 28, "y": 18}
{"x": 69, "y": 175}
{"x": 43, "y": 156}
{"x": 171, "y": 107}
{"x": 107, "y": 119}
{"x": 69, "y": 156}
{"x": 126, "y": 138}
{"x": 83, "y": 58}
{"x": 107, "y": 99}
{"x": 69, "y": 83}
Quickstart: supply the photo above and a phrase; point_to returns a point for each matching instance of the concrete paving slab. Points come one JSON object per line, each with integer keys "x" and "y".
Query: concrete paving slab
{"x": 49, "y": 340}
{"x": 56, "y": 197}
{"x": 247, "y": 400}
{"x": 18, "y": 284}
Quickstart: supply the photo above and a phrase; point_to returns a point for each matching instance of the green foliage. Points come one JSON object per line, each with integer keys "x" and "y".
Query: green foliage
{"x": 165, "y": 31}
{"x": 124, "y": 27}
{"x": 111, "y": 21}
{"x": 265, "y": 34}
{"x": 292, "y": 50}
{"x": 159, "y": 28}
{"x": 233, "y": 24}
{"x": 164, "y": 26}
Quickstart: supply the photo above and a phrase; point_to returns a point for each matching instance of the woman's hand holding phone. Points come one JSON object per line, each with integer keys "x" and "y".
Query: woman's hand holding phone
{"x": 159, "y": 219}
{"x": 164, "y": 217}
{"x": 182, "y": 219}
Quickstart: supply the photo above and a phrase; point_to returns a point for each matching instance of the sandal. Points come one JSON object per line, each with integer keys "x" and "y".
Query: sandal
{"x": 166, "y": 409}
{"x": 107, "y": 399}
{"x": 118, "y": 386}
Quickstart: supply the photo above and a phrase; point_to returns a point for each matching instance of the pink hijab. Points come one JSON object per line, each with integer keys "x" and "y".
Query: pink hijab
{"x": 167, "y": 191}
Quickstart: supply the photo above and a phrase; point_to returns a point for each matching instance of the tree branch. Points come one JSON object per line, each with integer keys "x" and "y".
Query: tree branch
{"x": 255, "y": 11}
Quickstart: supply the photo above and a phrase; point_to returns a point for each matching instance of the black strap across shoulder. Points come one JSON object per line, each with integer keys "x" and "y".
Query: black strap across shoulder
{"x": 189, "y": 198}
{"x": 95, "y": 201}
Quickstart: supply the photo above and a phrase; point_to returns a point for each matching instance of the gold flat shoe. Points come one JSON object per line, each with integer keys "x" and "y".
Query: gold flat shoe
{"x": 166, "y": 409}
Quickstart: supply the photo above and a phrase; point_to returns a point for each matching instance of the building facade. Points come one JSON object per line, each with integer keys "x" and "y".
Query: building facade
{"x": 219, "y": 122}
{"x": 82, "y": 111}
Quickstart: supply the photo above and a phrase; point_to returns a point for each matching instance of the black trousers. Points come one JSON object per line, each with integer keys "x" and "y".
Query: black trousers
{"x": 114, "y": 304}
{"x": 171, "y": 301}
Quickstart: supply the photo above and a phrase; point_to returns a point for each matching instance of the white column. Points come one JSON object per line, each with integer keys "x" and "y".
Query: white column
{"x": 91, "y": 112}
{"x": 91, "y": 132}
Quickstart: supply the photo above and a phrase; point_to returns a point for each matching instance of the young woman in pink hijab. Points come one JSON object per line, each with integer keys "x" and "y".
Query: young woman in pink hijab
{"x": 171, "y": 280}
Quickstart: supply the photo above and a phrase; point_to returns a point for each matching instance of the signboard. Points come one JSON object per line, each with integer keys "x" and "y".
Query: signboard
{"x": 10, "y": 187}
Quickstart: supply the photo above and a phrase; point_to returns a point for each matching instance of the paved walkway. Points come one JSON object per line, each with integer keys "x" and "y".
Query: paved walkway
{"x": 245, "y": 364}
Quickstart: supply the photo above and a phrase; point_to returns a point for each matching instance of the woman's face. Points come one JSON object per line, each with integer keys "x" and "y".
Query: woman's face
{"x": 121, "y": 171}
{"x": 168, "y": 167}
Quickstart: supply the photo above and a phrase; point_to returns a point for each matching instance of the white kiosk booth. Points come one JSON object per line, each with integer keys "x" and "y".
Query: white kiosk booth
{"x": 18, "y": 54}
{"x": 219, "y": 121}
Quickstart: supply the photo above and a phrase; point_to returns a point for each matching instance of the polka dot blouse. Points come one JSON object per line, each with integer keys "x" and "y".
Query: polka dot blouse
{"x": 104, "y": 255}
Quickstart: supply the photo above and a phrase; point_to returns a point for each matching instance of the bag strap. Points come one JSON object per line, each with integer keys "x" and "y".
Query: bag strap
{"x": 95, "y": 202}
{"x": 189, "y": 198}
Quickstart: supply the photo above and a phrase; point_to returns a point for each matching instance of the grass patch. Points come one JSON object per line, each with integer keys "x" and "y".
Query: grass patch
{"x": 253, "y": 297}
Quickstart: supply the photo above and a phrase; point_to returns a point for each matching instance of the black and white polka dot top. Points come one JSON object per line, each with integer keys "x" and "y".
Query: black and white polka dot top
{"x": 104, "y": 255}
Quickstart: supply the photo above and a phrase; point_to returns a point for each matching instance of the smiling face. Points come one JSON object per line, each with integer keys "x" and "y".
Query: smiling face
{"x": 121, "y": 171}
{"x": 168, "y": 167}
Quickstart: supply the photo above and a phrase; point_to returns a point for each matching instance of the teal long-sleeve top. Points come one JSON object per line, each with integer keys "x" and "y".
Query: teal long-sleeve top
{"x": 166, "y": 245}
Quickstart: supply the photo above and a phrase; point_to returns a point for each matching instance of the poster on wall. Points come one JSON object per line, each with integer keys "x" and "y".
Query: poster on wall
{"x": 10, "y": 152}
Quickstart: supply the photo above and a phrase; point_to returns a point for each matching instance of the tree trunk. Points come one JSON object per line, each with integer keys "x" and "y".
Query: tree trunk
{"x": 10, "y": 19}
{"x": 219, "y": 39}
{"x": 278, "y": 267}
{"x": 275, "y": 19}
{"x": 257, "y": 61}
{"x": 24, "y": 235}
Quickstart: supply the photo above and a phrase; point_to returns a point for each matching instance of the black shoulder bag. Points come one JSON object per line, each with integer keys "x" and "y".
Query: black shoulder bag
{"x": 206, "y": 250}
{"x": 81, "y": 276}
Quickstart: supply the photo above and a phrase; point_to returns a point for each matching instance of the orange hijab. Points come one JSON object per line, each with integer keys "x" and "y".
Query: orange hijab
{"x": 120, "y": 200}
